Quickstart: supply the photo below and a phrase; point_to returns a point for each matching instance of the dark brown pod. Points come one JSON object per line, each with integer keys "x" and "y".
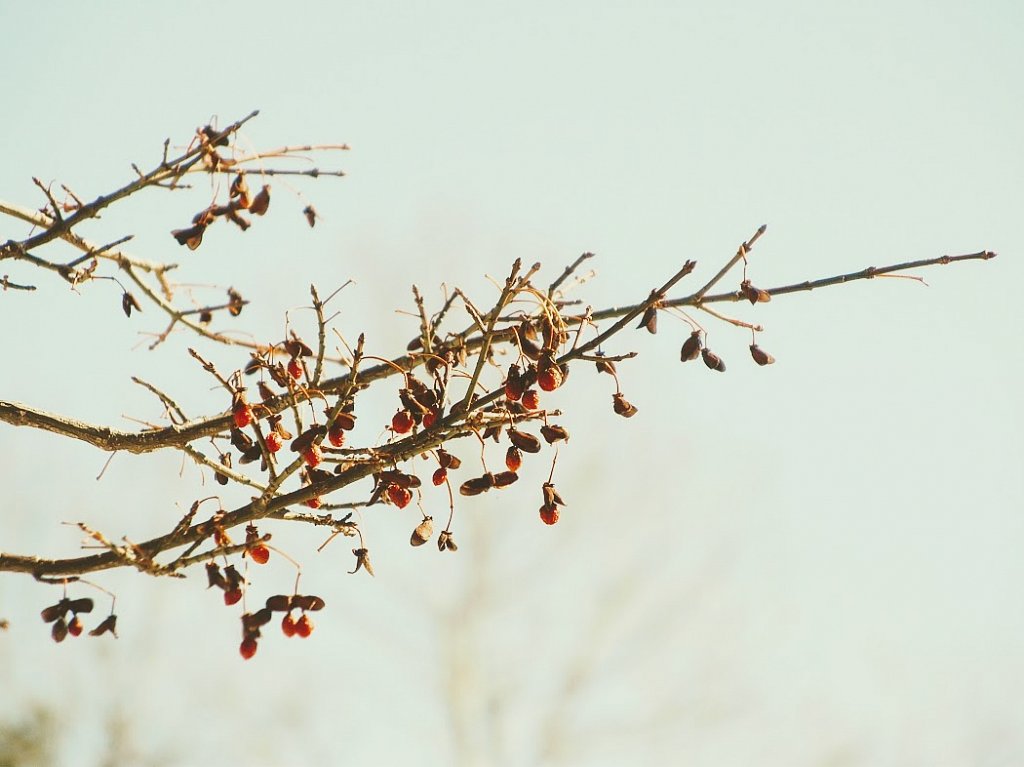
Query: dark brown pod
{"x": 235, "y": 302}
{"x": 192, "y": 237}
{"x": 649, "y": 320}
{"x": 553, "y": 433}
{"x": 83, "y": 605}
{"x": 233, "y": 577}
{"x": 279, "y": 603}
{"x": 308, "y": 602}
{"x": 362, "y": 561}
{"x": 447, "y": 460}
{"x": 59, "y": 631}
{"x": 422, "y": 533}
{"x": 754, "y": 295}
{"x": 225, "y": 460}
{"x": 505, "y": 478}
{"x": 261, "y": 202}
{"x": 107, "y": 625}
{"x": 240, "y": 440}
{"x": 305, "y": 440}
{"x": 551, "y": 496}
{"x": 713, "y": 361}
{"x": 297, "y": 348}
{"x": 525, "y": 442}
{"x": 691, "y": 347}
{"x": 477, "y": 485}
{"x": 214, "y": 577}
{"x": 53, "y": 612}
{"x": 128, "y": 303}
{"x": 311, "y": 215}
{"x": 622, "y": 406}
{"x": 761, "y": 357}
{"x": 605, "y": 366}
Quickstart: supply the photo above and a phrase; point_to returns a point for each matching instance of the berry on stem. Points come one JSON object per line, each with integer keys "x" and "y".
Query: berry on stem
{"x": 274, "y": 442}
{"x": 231, "y": 596}
{"x": 288, "y": 625}
{"x": 248, "y": 647}
{"x": 402, "y": 422}
{"x": 304, "y": 626}
{"x": 259, "y": 553}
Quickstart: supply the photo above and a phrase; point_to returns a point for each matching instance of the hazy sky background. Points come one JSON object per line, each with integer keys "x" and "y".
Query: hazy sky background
{"x": 816, "y": 563}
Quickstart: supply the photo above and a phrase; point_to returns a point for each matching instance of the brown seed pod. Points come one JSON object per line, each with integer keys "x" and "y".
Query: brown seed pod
{"x": 235, "y": 302}
{"x": 297, "y": 348}
{"x": 307, "y": 602}
{"x": 192, "y": 236}
{"x": 214, "y": 577}
{"x": 422, "y": 533}
{"x": 622, "y": 406}
{"x": 279, "y": 603}
{"x": 754, "y": 295}
{"x": 712, "y": 360}
{"x": 346, "y": 420}
{"x": 525, "y": 442}
{"x": 649, "y": 320}
{"x": 691, "y": 347}
{"x": 261, "y": 201}
{"x": 551, "y": 495}
{"x": 128, "y": 303}
{"x": 447, "y": 460}
{"x": 305, "y": 440}
{"x": 477, "y": 485}
{"x": 59, "y": 632}
{"x": 761, "y": 357}
{"x": 553, "y": 433}
{"x": 362, "y": 561}
{"x": 445, "y": 541}
{"x": 605, "y": 366}
{"x": 225, "y": 460}
{"x": 311, "y": 215}
{"x": 505, "y": 478}
{"x": 107, "y": 625}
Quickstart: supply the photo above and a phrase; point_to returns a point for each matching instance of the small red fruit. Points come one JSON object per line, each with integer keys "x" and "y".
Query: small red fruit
{"x": 549, "y": 513}
{"x": 241, "y": 413}
{"x": 402, "y": 422}
{"x": 313, "y": 456}
{"x": 400, "y": 496}
{"x": 550, "y": 379}
{"x": 288, "y": 625}
{"x": 248, "y": 647}
{"x": 295, "y": 368}
{"x": 314, "y": 503}
{"x": 429, "y": 418}
{"x": 513, "y": 458}
{"x": 336, "y": 435}
{"x": 304, "y": 626}
{"x": 531, "y": 399}
{"x": 231, "y": 596}
{"x": 274, "y": 442}
{"x": 259, "y": 553}
{"x": 75, "y": 626}
{"x": 439, "y": 476}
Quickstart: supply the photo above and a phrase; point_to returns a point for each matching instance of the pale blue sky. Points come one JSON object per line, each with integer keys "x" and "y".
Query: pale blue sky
{"x": 816, "y": 563}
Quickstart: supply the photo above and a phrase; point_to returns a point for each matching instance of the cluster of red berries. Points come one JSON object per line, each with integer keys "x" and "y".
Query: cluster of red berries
{"x": 230, "y": 581}
{"x": 62, "y": 626}
{"x": 290, "y": 626}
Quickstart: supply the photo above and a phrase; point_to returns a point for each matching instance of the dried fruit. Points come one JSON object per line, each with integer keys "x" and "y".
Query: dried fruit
{"x": 423, "y": 531}
{"x": 754, "y": 295}
{"x": 399, "y": 495}
{"x": 402, "y": 422}
{"x": 294, "y": 368}
{"x": 477, "y": 485}
{"x": 622, "y": 406}
{"x": 505, "y": 478}
{"x": 439, "y": 476}
{"x": 336, "y": 435}
{"x": 514, "y": 383}
{"x": 311, "y": 215}
{"x": 232, "y": 596}
{"x": 550, "y": 378}
{"x": 649, "y": 320}
{"x": 524, "y": 441}
{"x": 691, "y": 347}
{"x": 313, "y": 456}
{"x": 261, "y": 201}
{"x": 761, "y": 357}
{"x": 549, "y": 514}
{"x": 712, "y": 360}
{"x": 288, "y": 625}
{"x": 192, "y": 236}
{"x": 59, "y": 632}
{"x": 128, "y": 303}
{"x": 108, "y": 625}
{"x": 304, "y": 626}
{"x": 513, "y": 458}
{"x": 248, "y": 647}
{"x": 531, "y": 399}
{"x": 553, "y": 433}
{"x": 274, "y": 442}
{"x": 241, "y": 413}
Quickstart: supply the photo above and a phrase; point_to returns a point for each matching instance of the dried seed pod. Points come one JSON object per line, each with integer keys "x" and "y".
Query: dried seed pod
{"x": 622, "y": 406}
{"x": 59, "y": 632}
{"x": 214, "y": 577}
{"x": 362, "y": 561}
{"x": 279, "y": 603}
{"x": 524, "y": 441}
{"x": 225, "y": 460}
{"x": 205, "y": 317}
{"x": 445, "y": 541}
{"x": 505, "y": 478}
{"x": 307, "y": 602}
{"x": 477, "y": 485}
{"x": 235, "y": 302}
{"x": 423, "y": 531}
{"x": 304, "y": 441}
{"x": 128, "y": 303}
{"x": 261, "y": 201}
{"x": 553, "y": 433}
{"x": 447, "y": 460}
{"x": 192, "y": 236}
{"x": 605, "y": 366}
{"x": 649, "y": 320}
{"x": 266, "y": 393}
{"x": 239, "y": 188}
{"x": 761, "y": 357}
{"x": 311, "y": 215}
{"x": 53, "y": 612}
{"x": 754, "y": 295}
{"x": 551, "y": 495}
{"x": 107, "y": 626}
{"x": 691, "y": 347}
{"x": 712, "y": 360}
{"x": 233, "y": 577}
{"x": 238, "y": 220}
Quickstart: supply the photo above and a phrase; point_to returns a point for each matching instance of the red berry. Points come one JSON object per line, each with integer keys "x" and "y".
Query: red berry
{"x": 274, "y": 442}
{"x": 513, "y": 390}
{"x": 304, "y": 626}
{"x": 531, "y": 399}
{"x": 295, "y": 368}
{"x": 314, "y": 503}
{"x": 231, "y": 596}
{"x": 75, "y": 626}
{"x": 288, "y": 625}
{"x": 513, "y": 458}
{"x": 550, "y": 379}
{"x": 549, "y": 513}
{"x": 248, "y": 647}
{"x": 400, "y": 496}
{"x": 313, "y": 456}
{"x": 439, "y": 476}
{"x": 336, "y": 435}
{"x": 242, "y": 414}
{"x": 259, "y": 553}
{"x": 429, "y": 418}
{"x": 402, "y": 422}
